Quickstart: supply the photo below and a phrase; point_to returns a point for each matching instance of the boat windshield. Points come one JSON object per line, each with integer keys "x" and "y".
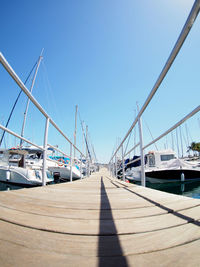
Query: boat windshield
{"x": 167, "y": 157}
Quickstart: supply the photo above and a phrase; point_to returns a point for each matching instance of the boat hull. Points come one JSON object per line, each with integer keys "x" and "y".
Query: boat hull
{"x": 21, "y": 176}
{"x": 133, "y": 178}
{"x": 64, "y": 172}
{"x": 166, "y": 176}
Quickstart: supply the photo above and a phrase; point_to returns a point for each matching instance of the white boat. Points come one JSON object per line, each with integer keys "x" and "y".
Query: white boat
{"x": 64, "y": 172}
{"x": 163, "y": 166}
{"x": 59, "y": 166}
{"x": 13, "y": 169}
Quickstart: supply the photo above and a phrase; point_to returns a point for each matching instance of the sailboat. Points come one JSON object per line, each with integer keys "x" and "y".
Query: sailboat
{"x": 56, "y": 166}
{"x": 13, "y": 167}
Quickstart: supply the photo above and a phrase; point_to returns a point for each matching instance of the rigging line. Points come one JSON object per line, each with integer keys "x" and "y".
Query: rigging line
{"x": 115, "y": 145}
{"x": 50, "y": 88}
{"x": 184, "y": 138}
{"x": 88, "y": 148}
{"x": 46, "y": 87}
{"x": 189, "y": 134}
{"x": 94, "y": 153}
{"x": 180, "y": 131}
{"x": 128, "y": 141}
{"x": 92, "y": 146}
{"x": 16, "y": 103}
{"x": 82, "y": 130}
{"x": 188, "y": 143}
{"x": 81, "y": 123}
{"x": 130, "y": 136}
{"x": 135, "y": 133}
{"x": 172, "y": 139}
{"x": 28, "y": 99}
{"x": 150, "y": 134}
{"x": 87, "y": 145}
{"x": 199, "y": 121}
{"x": 84, "y": 135}
{"x": 177, "y": 143}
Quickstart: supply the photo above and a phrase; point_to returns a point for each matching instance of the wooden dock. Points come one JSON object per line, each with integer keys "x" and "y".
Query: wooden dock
{"x": 98, "y": 221}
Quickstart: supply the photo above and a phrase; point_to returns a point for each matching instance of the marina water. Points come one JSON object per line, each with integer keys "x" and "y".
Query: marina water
{"x": 189, "y": 189}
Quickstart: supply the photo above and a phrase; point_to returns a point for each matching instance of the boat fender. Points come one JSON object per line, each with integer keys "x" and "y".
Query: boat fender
{"x": 8, "y": 175}
{"x": 182, "y": 177}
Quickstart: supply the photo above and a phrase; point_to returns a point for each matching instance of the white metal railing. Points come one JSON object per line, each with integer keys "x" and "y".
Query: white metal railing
{"x": 184, "y": 33}
{"x": 48, "y": 120}
{"x": 188, "y": 116}
{"x": 18, "y": 136}
{"x": 196, "y": 110}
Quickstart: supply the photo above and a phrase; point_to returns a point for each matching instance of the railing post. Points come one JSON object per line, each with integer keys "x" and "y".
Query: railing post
{"x": 81, "y": 169}
{"x": 115, "y": 166}
{"x": 109, "y": 168}
{"x": 88, "y": 167}
{"x": 70, "y": 162}
{"x": 143, "y": 178}
{"x": 86, "y": 149}
{"x": 44, "y": 168}
{"x": 123, "y": 172}
{"x": 112, "y": 168}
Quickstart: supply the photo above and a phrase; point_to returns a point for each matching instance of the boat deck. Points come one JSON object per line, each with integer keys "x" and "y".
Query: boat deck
{"x": 98, "y": 221}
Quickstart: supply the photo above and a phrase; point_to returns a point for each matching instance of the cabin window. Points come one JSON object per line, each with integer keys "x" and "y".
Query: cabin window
{"x": 15, "y": 156}
{"x": 151, "y": 160}
{"x": 166, "y": 157}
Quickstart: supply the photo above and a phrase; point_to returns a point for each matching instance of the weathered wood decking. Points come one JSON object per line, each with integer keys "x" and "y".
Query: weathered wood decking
{"x": 98, "y": 222}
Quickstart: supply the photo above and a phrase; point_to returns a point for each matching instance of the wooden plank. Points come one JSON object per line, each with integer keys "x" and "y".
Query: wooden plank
{"x": 98, "y": 222}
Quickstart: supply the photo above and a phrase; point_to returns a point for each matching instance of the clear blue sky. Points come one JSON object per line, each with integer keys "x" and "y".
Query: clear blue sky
{"x": 103, "y": 55}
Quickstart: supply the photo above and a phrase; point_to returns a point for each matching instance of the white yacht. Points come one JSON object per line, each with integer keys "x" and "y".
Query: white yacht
{"x": 59, "y": 166}
{"x": 13, "y": 169}
{"x": 163, "y": 166}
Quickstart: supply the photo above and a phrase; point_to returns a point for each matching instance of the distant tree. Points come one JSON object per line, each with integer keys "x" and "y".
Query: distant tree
{"x": 194, "y": 147}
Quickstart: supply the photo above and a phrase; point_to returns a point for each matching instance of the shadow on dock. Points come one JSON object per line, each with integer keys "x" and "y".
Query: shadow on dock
{"x": 110, "y": 252}
{"x": 173, "y": 212}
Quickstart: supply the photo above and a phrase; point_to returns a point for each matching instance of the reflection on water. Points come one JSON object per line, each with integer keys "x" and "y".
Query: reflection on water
{"x": 7, "y": 187}
{"x": 189, "y": 189}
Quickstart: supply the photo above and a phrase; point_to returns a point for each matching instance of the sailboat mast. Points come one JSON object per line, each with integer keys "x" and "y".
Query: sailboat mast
{"x": 28, "y": 100}
{"x": 181, "y": 141}
{"x": 2, "y": 137}
{"x": 75, "y": 130}
{"x": 87, "y": 158}
{"x": 86, "y": 142}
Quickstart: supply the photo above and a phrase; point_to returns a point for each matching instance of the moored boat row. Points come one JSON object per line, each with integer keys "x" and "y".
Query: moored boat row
{"x": 24, "y": 166}
{"x": 163, "y": 166}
